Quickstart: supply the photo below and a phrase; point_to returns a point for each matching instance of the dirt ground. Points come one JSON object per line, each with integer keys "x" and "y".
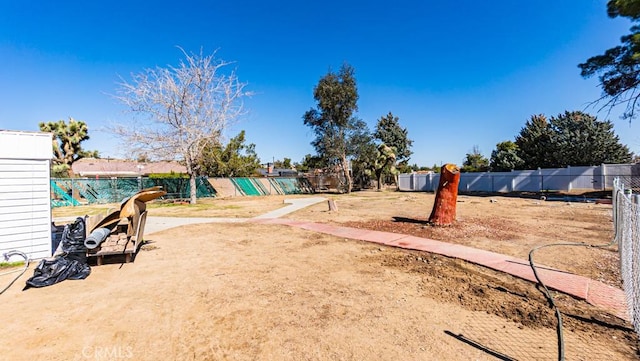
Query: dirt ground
{"x": 265, "y": 292}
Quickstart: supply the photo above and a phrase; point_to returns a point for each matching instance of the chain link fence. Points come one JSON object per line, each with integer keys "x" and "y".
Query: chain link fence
{"x": 626, "y": 218}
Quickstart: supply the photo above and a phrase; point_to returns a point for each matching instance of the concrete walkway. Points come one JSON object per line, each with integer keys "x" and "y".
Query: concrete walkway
{"x": 296, "y": 204}
{"x": 157, "y": 224}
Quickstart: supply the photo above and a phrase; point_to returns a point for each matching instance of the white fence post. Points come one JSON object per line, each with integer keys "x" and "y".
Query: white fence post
{"x": 541, "y": 177}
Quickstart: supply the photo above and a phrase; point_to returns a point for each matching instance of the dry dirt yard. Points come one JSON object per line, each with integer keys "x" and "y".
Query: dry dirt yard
{"x": 265, "y": 292}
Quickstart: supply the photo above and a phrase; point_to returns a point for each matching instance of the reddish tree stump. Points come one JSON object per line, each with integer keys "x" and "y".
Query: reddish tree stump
{"x": 444, "y": 207}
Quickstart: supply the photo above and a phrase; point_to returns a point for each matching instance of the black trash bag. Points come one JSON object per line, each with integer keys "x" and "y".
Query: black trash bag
{"x": 52, "y": 271}
{"x": 73, "y": 237}
{"x": 56, "y": 237}
{"x": 71, "y": 264}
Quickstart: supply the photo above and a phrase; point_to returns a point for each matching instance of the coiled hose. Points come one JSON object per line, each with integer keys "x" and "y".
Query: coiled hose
{"x": 26, "y": 266}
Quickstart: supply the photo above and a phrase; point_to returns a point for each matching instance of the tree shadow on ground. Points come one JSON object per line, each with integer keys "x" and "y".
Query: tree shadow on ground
{"x": 410, "y": 220}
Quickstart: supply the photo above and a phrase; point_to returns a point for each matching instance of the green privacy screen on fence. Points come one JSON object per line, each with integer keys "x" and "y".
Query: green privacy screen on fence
{"x": 246, "y": 187}
{"x": 76, "y": 191}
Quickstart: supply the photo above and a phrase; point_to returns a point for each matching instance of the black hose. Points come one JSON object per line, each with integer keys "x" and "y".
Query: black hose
{"x": 26, "y": 266}
{"x": 546, "y": 291}
{"x": 548, "y": 294}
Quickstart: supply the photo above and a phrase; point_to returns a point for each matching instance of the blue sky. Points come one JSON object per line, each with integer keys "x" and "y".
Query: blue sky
{"x": 456, "y": 73}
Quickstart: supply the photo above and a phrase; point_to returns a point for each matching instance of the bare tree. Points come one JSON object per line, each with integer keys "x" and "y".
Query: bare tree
{"x": 182, "y": 109}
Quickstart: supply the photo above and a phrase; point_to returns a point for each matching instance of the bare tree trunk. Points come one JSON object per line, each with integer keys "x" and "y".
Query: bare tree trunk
{"x": 444, "y": 207}
{"x": 379, "y": 179}
{"x": 347, "y": 175}
{"x": 192, "y": 186}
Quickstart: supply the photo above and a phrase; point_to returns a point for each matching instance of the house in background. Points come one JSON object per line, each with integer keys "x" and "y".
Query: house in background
{"x": 270, "y": 171}
{"x": 107, "y": 168}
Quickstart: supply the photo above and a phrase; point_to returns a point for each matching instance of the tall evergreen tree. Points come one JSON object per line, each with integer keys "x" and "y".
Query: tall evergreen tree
{"x": 581, "y": 139}
{"x": 505, "y": 157}
{"x": 534, "y": 143}
{"x": 389, "y": 132}
{"x": 570, "y": 139}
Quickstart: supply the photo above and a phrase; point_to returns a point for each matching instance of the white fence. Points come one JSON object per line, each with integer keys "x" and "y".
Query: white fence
{"x": 577, "y": 179}
{"x": 626, "y": 218}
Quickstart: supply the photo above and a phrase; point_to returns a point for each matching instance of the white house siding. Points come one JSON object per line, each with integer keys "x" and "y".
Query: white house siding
{"x": 25, "y": 203}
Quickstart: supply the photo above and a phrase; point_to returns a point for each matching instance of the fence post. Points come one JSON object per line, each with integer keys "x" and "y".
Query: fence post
{"x": 635, "y": 198}
{"x": 603, "y": 176}
{"x": 614, "y": 203}
{"x": 569, "y": 177}
{"x": 114, "y": 183}
{"x": 75, "y": 194}
{"x": 493, "y": 188}
{"x": 541, "y": 180}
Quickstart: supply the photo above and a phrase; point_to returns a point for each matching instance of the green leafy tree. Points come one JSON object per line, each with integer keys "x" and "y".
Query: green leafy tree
{"x": 236, "y": 159}
{"x": 309, "y": 163}
{"x": 333, "y": 120}
{"x": 364, "y": 151}
{"x": 182, "y": 109}
{"x": 534, "y": 143}
{"x": 67, "y": 144}
{"x": 404, "y": 167}
{"x": 284, "y": 164}
{"x": 505, "y": 157}
{"x": 579, "y": 139}
{"x": 475, "y": 161}
{"x": 619, "y": 67}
